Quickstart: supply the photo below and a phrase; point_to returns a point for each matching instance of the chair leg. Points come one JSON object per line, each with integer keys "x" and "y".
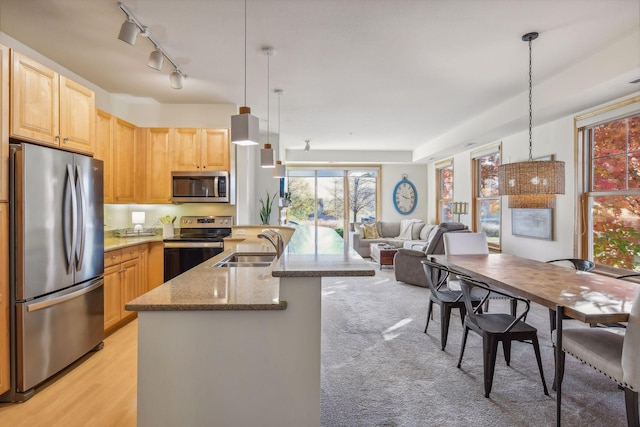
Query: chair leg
{"x": 463, "y": 313}
{"x": 490, "y": 349}
{"x": 506, "y": 347}
{"x": 631, "y": 402}
{"x": 428, "y": 315}
{"x": 536, "y": 349}
{"x": 464, "y": 343}
{"x": 445, "y": 317}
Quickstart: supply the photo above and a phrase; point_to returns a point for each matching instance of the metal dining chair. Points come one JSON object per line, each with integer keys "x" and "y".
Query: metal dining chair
{"x": 614, "y": 355}
{"x": 436, "y": 277}
{"x": 496, "y": 327}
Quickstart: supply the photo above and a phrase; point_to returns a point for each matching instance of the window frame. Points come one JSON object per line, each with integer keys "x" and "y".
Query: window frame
{"x": 475, "y": 156}
{"x": 440, "y": 199}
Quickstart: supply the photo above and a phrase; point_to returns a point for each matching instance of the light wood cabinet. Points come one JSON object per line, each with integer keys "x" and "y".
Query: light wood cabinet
{"x": 130, "y": 285}
{"x": 122, "y": 283}
{"x": 155, "y": 265}
{"x": 104, "y": 150}
{"x": 200, "y": 149}
{"x": 4, "y": 123}
{"x": 50, "y": 109}
{"x": 124, "y": 162}
{"x": 4, "y": 298}
{"x": 157, "y": 165}
{"x": 143, "y": 262}
{"x": 112, "y": 298}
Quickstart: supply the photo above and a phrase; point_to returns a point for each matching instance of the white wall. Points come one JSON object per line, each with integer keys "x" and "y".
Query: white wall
{"x": 390, "y": 176}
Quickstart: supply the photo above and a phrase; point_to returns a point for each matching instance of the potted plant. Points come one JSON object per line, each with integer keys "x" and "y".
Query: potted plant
{"x": 283, "y": 202}
{"x": 265, "y": 208}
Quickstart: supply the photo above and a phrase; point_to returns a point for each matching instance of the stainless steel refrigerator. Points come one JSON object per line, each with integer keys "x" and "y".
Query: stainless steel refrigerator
{"x": 56, "y": 262}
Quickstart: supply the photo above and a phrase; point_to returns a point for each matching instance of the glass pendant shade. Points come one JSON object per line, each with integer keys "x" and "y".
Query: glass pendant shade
{"x": 531, "y": 184}
{"x": 267, "y": 157}
{"x": 245, "y": 128}
{"x": 128, "y": 32}
{"x": 280, "y": 171}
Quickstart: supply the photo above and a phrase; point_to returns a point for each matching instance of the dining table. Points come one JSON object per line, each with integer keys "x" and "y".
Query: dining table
{"x": 585, "y": 296}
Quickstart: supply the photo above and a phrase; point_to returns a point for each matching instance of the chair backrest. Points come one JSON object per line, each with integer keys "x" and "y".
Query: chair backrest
{"x": 435, "y": 275}
{"x": 631, "y": 347}
{"x": 465, "y": 244}
{"x": 471, "y": 290}
{"x": 577, "y": 263}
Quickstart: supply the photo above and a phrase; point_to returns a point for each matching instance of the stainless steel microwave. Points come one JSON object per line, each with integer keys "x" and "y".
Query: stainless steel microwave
{"x": 200, "y": 187}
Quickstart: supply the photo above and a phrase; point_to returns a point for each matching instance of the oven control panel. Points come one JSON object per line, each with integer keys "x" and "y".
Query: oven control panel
{"x": 206, "y": 221}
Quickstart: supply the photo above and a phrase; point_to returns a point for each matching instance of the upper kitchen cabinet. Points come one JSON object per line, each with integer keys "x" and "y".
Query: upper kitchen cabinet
{"x": 50, "y": 109}
{"x": 4, "y": 123}
{"x": 104, "y": 150}
{"x": 124, "y": 162}
{"x": 200, "y": 150}
{"x": 156, "y": 148}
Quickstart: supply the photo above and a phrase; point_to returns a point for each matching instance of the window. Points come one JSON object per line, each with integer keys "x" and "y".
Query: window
{"x": 486, "y": 210}
{"x": 444, "y": 190}
{"x": 611, "y": 208}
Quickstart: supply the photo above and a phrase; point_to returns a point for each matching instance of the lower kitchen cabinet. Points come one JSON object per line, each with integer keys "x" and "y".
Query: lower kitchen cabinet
{"x": 128, "y": 273}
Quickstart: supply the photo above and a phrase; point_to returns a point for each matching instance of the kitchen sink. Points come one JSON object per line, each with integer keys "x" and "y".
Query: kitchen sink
{"x": 246, "y": 260}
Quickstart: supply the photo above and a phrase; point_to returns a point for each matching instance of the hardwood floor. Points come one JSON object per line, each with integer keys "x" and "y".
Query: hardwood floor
{"x": 100, "y": 390}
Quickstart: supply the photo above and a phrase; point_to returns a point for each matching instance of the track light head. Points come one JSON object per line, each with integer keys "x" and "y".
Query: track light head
{"x": 128, "y": 32}
{"x": 156, "y": 58}
{"x": 176, "y": 79}
{"x": 307, "y": 147}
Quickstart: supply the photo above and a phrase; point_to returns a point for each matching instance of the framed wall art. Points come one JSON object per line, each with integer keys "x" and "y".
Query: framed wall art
{"x": 535, "y": 223}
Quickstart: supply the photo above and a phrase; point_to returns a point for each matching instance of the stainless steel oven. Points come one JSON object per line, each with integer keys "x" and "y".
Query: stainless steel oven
{"x": 200, "y": 238}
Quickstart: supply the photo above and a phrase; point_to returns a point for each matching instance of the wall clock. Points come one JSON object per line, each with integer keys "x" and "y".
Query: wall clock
{"x": 405, "y": 196}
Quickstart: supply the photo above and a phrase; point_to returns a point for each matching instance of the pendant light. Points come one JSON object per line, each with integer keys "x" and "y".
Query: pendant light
{"x": 280, "y": 170}
{"x": 531, "y": 184}
{"x": 267, "y": 153}
{"x": 245, "y": 127}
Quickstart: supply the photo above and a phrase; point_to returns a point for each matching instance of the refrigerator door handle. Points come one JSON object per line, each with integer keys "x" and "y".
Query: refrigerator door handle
{"x": 83, "y": 218}
{"x": 54, "y": 301}
{"x": 74, "y": 209}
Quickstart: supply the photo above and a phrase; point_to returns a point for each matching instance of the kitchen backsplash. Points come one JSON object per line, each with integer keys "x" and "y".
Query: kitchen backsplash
{"x": 119, "y": 216}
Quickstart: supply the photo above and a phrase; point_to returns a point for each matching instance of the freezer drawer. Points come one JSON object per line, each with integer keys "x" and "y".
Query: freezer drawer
{"x": 56, "y": 330}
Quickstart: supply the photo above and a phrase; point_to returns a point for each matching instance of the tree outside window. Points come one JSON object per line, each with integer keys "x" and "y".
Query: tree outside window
{"x": 444, "y": 179}
{"x": 487, "y": 197}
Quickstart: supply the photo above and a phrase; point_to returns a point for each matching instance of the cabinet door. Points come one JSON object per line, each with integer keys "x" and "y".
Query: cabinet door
{"x": 104, "y": 150}
{"x": 186, "y": 146}
{"x": 215, "y": 149}
{"x": 77, "y": 110}
{"x": 143, "y": 260}
{"x": 112, "y": 296}
{"x": 124, "y": 162}
{"x": 158, "y": 166}
{"x": 4, "y": 298}
{"x": 130, "y": 285}
{"x": 155, "y": 265}
{"x": 4, "y": 122}
{"x": 34, "y": 101}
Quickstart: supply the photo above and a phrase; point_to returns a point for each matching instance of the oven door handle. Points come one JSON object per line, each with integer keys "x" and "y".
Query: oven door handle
{"x": 169, "y": 245}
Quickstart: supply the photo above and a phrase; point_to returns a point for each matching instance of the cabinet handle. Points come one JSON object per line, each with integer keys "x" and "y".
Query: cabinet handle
{"x": 65, "y": 140}
{"x": 132, "y": 252}
{"x": 57, "y": 138}
{"x": 113, "y": 257}
{"x": 204, "y": 167}
{"x": 122, "y": 271}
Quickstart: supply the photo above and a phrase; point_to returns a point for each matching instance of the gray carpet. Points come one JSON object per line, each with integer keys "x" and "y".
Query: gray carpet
{"x": 380, "y": 369}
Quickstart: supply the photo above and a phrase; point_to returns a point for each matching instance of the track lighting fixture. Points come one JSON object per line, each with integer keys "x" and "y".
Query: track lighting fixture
{"x": 129, "y": 33}
{"x": 307, "y": 147}
{"x": 245, "y": 129}
{"x": 280, "y": 171}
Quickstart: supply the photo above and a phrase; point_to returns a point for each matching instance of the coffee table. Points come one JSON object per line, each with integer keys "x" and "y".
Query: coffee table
{"x": 382, "y": 253}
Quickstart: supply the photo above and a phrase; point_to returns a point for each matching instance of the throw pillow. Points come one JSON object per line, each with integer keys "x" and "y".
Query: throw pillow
{"x": 426, "y": 230}
{"x": 359, "y": 228}
{"x": 416, "y": 229}
{"x": 371, "y": 231}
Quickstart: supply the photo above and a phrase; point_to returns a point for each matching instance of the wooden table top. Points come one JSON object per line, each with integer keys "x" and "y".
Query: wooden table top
{"x": 588, "y": 297}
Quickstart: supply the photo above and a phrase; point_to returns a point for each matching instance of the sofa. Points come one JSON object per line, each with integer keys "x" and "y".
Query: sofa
{"x": 389, "y": 233}
{"x": 407, "y": 262}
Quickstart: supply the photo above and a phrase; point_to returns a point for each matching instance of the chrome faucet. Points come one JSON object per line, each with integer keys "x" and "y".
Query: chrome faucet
{"x": 275, "y": 239}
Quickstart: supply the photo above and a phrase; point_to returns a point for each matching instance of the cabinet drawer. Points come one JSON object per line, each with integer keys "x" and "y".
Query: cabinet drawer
{"x": 112, "y": 257}
{"x": 130, "y": 252}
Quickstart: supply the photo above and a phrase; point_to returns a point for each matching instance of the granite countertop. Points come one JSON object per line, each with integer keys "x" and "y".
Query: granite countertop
{"x": 112, "y": 243}
{"x": 249, "y": 288}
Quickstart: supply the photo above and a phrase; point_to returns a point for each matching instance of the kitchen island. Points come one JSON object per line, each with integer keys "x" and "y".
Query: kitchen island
{"x": 238, "y": 346}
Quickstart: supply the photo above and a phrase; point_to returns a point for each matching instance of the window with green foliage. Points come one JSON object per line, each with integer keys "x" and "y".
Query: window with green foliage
{"x": 612, "y": 203}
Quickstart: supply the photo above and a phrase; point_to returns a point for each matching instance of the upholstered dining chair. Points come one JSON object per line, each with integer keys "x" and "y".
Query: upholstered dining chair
{"x": 496, "y": 327}
{"x": 436, "y": 278}
{"x": 614, "y": 355}
{"x": 470, "y": 244}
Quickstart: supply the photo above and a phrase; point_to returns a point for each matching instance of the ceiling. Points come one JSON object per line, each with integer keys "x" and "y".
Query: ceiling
{"x": 356, "y": 74}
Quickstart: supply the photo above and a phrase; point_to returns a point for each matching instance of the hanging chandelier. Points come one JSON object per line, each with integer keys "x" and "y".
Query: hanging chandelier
{"x": 532, "y": 184}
